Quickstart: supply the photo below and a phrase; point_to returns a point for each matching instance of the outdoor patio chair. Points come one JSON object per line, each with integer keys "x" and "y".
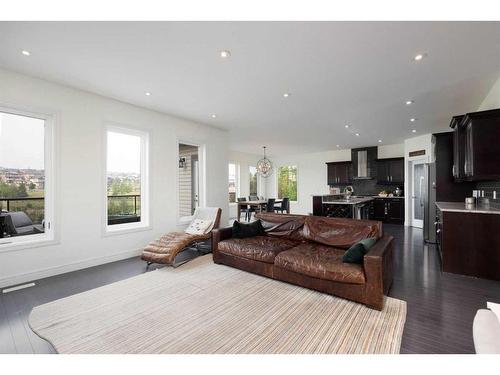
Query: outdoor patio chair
{"x": 17, "y": 223}
{"x": 167, "y": 247}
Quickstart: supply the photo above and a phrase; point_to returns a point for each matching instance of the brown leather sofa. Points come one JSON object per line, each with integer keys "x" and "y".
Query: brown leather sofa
{"x": 308, "y": 250}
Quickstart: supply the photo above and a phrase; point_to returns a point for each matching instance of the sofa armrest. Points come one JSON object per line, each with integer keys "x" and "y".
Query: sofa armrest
{"x": 378, "y": 263}
{"x": 219, "y": 235}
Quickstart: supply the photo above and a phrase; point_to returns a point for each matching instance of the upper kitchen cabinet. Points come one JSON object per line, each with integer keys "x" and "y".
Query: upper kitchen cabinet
{"x": 391, "y": 171}
{"x": 480, "y": 147}
{"x": 458, "y": 168}
{"x": 339, "y": 172}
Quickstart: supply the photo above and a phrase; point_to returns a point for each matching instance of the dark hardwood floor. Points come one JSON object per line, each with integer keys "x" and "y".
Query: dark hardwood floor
{"x": 441, "y": 306}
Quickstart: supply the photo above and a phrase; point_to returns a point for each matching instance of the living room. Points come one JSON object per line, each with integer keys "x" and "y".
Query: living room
{"x": 230, "y": 187}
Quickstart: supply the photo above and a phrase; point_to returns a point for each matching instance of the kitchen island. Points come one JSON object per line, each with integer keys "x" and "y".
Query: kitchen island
{"x": 388, "y": 209}
{"x": 468, "y": 239}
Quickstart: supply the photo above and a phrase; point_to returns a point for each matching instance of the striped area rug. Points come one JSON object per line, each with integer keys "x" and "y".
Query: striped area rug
{"x": 203, "y": 307}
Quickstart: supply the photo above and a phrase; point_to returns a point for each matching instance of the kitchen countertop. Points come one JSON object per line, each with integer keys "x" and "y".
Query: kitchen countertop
{"x": 460, "y": 207}
{"x": 352, "y": 201}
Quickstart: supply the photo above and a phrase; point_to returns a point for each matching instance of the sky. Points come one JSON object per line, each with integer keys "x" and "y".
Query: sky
{"x": 21, "y": 142}
{"x": 124, "y": 153}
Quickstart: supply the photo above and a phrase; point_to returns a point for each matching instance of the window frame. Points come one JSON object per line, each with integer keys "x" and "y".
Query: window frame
{"x": 49, "y": 235}
{"x": 296, "y": 175}
{"x": 145, "y": 222}
{"x": 238, "y": 180}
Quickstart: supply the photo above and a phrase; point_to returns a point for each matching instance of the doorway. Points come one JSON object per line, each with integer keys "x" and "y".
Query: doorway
{"x": 189, "y": 179}
{"x": 418, "y": 192}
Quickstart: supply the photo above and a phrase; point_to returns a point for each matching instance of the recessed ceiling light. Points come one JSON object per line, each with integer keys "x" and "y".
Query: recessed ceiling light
{"x": 147, "y": 93}
{"x": 346, "y": 126}
{"x": 409, "y": 102}
{"x": 419, "y": 57}
{"x": 225, "y": 54}
{"x": 413, "y": 119}
{"x": 357, "y": 134}
{"x": 414, "y": 131}
{"x": 214, "y": 115}
{"x": 286, "y": 94}
{"x": 379, "y": 141}
{"x": 25, "y": 53}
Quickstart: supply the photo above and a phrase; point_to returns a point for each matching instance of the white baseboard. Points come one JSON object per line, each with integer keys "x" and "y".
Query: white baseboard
{"x": 57, "y": 270}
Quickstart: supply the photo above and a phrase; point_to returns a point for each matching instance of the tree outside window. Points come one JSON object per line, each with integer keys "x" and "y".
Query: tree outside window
{"x": 233, "y": 181}
{"x": 253, "y": 180}
{"x": 287, "y": 182}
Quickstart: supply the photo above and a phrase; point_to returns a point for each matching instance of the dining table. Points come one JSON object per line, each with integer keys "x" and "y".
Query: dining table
{"x": 259, "y": 205}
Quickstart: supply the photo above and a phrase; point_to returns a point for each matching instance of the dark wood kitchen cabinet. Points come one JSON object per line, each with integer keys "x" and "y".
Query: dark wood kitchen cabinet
{"x": 388, "y": 210}
{"x": 339, "y": 172}
{"x": 475, "y": 148}
{"x": 378, "y": 209}
{"x": 458, "y": 170}
{"x": 391, "y": 171}
{"x": 448, "y": 187}
{"x": 469, "y": 243}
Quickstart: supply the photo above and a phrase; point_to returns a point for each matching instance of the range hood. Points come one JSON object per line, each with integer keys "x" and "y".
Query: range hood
{"x": 363, "y": 162}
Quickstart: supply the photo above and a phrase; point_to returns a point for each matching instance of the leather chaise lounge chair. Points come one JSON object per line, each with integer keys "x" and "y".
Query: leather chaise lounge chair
{"x": 167, "y": 247}
{"x": 307, "y": 251}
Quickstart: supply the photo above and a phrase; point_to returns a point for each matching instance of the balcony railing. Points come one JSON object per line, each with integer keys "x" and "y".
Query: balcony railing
{"x": 34, "y": 207}
{"x": 121, "y": 208}
{"x": 124, "y": 209}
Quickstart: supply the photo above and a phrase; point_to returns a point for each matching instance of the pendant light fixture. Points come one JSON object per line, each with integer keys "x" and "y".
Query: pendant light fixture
{"x": 264, "y": 165}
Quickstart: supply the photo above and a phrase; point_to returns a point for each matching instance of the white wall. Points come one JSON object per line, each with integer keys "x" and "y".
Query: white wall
{"x": 312, "y": 173}
{"x": 245, "y": 160}
{"x": 79, "y": 171}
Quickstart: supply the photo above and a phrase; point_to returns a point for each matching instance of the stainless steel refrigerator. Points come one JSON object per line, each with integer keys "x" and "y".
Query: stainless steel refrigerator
{"x": 429, "y": 202}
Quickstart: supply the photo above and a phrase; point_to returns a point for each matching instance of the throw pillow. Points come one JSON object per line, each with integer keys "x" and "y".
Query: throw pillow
{"x": 253, "y": 229}
{"x": 198, "y": 226}
{"x": 356, "y": 252}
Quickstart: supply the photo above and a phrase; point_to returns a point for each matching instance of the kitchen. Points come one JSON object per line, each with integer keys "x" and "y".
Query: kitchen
{"x": 457, "y": 193}
{"x": 367, "y": 187}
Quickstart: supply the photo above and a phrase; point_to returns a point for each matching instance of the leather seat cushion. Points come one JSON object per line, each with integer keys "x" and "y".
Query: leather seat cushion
{"x": 322, "y": 262}
{"x": 260, "y": 248}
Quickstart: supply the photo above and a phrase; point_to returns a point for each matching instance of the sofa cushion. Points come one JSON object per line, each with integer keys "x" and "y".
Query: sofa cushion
{"x": 340, "y": 232}
{"x": 242, "y": 230}
{"x": 322, "y": 262}
{"x": 280, "y": 225}
{"x": 261, "y": 248}
{"x": 356, "y": 253}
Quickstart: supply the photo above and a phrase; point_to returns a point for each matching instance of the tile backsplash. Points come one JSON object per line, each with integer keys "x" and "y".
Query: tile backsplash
{"x": 489, "y": 187}
{"x": 368, "y": 187}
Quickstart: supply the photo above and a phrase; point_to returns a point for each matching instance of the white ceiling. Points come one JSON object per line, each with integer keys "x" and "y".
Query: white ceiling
{"x": 356, "y": 73}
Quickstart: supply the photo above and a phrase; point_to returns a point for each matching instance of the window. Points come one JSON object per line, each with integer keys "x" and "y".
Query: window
{"x": 287, "y": 182}
{"x": 25, "y": 177}
{"x": 233, "y": 182}
{"x": 253, "y": 178}
{"x": 126, "y": 179}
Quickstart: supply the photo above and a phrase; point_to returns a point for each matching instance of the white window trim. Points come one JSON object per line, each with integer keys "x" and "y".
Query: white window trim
{"x": 184, "y": 220}
{"x": 276, "y": 180}
{"x": 49, "y": 236}
{"x": 238, "y": 180}
{"x": 144, "y": 224}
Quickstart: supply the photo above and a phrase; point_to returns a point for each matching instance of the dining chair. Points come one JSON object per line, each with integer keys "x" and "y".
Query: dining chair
{"x": 270, "y": 205}
{"x": 244, "y": 209}
{"x": 285, "y": 206}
